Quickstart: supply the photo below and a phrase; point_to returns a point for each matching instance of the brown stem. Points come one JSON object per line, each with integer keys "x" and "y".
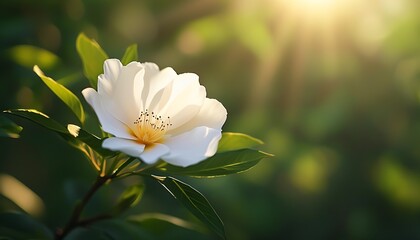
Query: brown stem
{"x": 74, "y": 219}
{"x": 88, "y": 221}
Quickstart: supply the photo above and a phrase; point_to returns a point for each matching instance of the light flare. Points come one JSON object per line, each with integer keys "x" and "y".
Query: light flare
{"x": 315, "y": 6}
{"x": 21, "y": 195}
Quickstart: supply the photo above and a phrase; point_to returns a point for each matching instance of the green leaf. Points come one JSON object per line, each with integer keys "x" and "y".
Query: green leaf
{"x": 158, "y": 222}
{"x": 129, "y": 198}
{"x": 21, "y": 226}
{"x": 86, "y": 233}
{"x": 9, "y": 128}
{"x": 220, "y": 164}
{"x": 74, "y": 137}
{"x": 119, "y": 229}
{"x": 130, "y": 54}
{"x": 28, "y": 56}
{"x": 93, "y": 58}
{"x": 39, "y": 118}
{"x": 233, "y": 141}
{"x": 164, "y": 226}
{"x": 63, "y": 93}
{"x": 195, "y": 202}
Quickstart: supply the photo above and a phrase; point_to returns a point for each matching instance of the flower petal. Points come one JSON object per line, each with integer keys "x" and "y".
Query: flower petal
{"x": 192, "y": 147}
{"x": 119, "y": 89}
{"x": 112, "y": 68}
{"x": 155, "y": 83}
{"x": 151, "y": 70}
{"x": 212, "y": 114}
{"x": 123, "y": 102}
{"x": 108, "y": 122}
{"x": 152, "y": 153}
{"x": 182, "y": 99}
{"x": 126, "y": 146}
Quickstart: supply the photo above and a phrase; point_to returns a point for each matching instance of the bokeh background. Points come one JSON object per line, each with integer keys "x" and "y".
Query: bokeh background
{"x": 331, "y": 87}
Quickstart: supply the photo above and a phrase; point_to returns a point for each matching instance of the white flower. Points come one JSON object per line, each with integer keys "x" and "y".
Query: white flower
{"x": 156, "y": 114}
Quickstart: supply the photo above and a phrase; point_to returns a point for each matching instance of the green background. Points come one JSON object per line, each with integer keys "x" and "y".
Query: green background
{"x": 331, "y": 88}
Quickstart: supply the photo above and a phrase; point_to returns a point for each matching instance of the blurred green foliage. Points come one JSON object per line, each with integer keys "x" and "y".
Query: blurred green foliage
{"x": 333, "y": 90}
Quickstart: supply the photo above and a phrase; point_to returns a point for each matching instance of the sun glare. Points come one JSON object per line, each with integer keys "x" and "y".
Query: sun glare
{"x": 314, "y": 6}
{"x": 316, "y": 2}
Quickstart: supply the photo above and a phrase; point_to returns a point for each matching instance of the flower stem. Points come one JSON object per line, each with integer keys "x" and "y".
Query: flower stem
{"x": 74, "y": 219}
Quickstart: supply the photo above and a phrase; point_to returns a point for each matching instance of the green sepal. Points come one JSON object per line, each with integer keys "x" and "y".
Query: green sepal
{"x": 130, "y": 54}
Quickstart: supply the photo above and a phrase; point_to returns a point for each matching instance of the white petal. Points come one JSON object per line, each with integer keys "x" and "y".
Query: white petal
{"x": 151, "y": 70}
{"x": 185, "y": 90}
{"x": 112, "y": 68}
{"x": 183, "y": 100}
{"x": 212, "y": 114}
{"x": 126, "y": 146}
{"x": 138, "y": 89}
{"x": 109, "y": 123}
{"x": 155, "y": 83}
{"x": 152, "y": 153}
{"x": 121, "y": 101}
{"x": 192, "y": 147}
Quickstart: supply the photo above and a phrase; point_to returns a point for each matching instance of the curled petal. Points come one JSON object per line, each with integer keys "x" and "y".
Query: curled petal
{"x": 152, "y": 153}
{"x": 155, "y": 83}
{"x": 112, "y": 69}
{"x": 192, "y": 147}
{"x": 212, "y": 114}
{"x": 127, "y": 146}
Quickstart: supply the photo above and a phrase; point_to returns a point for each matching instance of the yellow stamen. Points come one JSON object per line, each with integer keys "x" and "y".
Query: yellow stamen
{"x": 150, "y": 128}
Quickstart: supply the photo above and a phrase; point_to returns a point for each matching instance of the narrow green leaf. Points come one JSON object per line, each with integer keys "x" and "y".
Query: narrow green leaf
{"x": 233, "y": 141}
{"x": 195, "y": 202}
{"x": 39, "y": 118}
{"x": 9, "y": 128}
{"x": 158, "y": 222}
{"x": 129, "y": 198}
{"x": 220, "y": 164}
{"x": 63, "y": 93}
{"x": 163, "y": 226}
{"x": 93, "y": 58}
{"x": 130, "y": 54}
{"x": 28, "y": 56}
{"x": 118, "y": 229}
{"x": 21, "y": 226}
{"x": 74, "y": 137}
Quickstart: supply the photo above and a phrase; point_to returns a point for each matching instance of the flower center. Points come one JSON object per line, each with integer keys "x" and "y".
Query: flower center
{"x": 151, "y": 128}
